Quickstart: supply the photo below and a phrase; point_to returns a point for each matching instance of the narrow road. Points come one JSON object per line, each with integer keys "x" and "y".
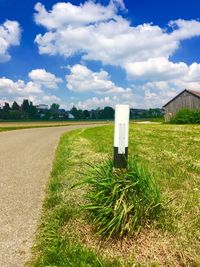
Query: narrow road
{"x": 25, "y": 163}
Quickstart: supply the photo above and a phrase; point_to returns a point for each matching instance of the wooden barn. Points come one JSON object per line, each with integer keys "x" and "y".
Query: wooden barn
{"x": 186, "y": 99}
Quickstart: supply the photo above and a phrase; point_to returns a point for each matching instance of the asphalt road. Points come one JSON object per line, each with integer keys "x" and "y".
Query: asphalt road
{"x": 25, "y": 163}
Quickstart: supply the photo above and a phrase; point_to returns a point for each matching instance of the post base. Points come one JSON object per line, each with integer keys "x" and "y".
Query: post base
{"x": 120, "y": 160}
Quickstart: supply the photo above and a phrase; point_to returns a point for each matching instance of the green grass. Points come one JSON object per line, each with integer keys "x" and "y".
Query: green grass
{"x": 56, "y": 245}
{"x": 172, "y": 155}
{"x": 120, "y": 202}
{"x": 5, "y": 129}
{"x": 10, "y": 126}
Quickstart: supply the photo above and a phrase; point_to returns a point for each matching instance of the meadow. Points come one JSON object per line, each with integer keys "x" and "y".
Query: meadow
{"x": 172, "y": 155}
{"x": 19, "y": 125}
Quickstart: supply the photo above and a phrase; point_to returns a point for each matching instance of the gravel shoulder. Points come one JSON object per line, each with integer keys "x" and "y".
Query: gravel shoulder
{"x": 25, "y": 163}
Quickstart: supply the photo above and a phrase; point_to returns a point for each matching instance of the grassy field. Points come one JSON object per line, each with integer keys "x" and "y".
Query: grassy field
{"x": 172, "y": 154}
{"x": 9, "y": 126}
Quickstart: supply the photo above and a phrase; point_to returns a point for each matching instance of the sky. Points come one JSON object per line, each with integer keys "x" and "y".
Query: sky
{"x": 98, "y": 53}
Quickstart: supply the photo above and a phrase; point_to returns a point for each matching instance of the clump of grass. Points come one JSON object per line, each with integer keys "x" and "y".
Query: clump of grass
{"x": 121, "y": 202}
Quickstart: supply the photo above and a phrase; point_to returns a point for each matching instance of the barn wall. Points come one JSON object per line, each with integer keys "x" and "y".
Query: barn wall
{"x": 185, "y": 100}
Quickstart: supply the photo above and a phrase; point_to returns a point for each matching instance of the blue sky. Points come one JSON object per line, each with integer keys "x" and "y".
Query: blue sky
{"x": 97, "y": 53}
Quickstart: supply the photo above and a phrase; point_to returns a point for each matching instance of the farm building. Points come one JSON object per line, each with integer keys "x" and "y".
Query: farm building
{"x": 186, "y": 99}
{"x": 42, "y": 107}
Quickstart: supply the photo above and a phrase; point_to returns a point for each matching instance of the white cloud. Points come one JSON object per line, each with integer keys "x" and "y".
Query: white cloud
{"x": 64, "y": 14}
{"x": 19, "y": 87}
{"x": 49, "y": 99}
{"x": 10, "y": 33}
{"x": 156, "y": 94}
{"x": 156, "y": 69}
{"x": 94, "y": 102}
{"x": 18, "y": 90}
{"x": 186, "y": 29}
{"x": 152, "y": 99}
{"x": 143, "y": 51}
{"x": 193, "y": 73}
{"x": 108, "y": 38}
{"x": 82, "y": 79}
{"x": 159, "y": 80}
{"x": 160, "y": 71}
{"x": 42, "y": 77}
{"x": 119, "y": 3}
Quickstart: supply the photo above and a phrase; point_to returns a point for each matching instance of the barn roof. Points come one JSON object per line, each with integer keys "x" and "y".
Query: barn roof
{"x": 195, "y": 93}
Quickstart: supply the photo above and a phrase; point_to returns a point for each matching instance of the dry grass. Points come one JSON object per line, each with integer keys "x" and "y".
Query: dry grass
{"x": 151, "y": 246}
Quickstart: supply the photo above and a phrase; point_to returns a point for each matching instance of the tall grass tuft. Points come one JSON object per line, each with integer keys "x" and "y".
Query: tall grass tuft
{"x": 121, "y": 202}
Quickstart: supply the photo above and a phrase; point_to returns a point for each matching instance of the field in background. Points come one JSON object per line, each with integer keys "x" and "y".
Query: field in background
{"x": 63, "y": 123}
{"x": 17, "y": 125}
{"x": 172, "y": 154}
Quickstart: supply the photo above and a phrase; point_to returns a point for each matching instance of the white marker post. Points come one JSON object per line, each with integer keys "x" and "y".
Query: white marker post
{"x": 121, "y": 136}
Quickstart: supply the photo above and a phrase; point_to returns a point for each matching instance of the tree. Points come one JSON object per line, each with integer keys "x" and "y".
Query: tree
{"x": 107, "y": 113}
{"x": 93, "y": 114}
{"x": 6, "y": 107}
{"x": 32, "y": 112}
{"x": 15, "y": 106}
{"x": 74, "y": 112}
{"x": 80, "y": 114}
{"x": 15, "y": 114}
{"x": 98, "y": 113}
{"x": 55, "y": 107}
{"x": 86, "y": 114}
{"x": 25, "y": 105}
{"x": 152, "y": 113}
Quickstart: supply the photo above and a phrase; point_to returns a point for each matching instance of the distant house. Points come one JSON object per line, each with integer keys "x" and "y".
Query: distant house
{"x": 70, "y": 116}
{"x": 186, "y": 99}
{"x": 42, "y": 107}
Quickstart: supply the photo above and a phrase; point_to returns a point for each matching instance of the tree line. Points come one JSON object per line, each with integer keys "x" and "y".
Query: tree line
{"x": 28, "y": 111}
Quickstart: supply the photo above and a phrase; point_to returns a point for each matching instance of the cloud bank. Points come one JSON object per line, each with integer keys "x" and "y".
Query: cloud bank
{"x": 100, "y": 33}
{"x": 10, "y": 34}
{"x": 35, "y": 90}
{"x": 42, "y": 77}
{"x": 82, "y": 79}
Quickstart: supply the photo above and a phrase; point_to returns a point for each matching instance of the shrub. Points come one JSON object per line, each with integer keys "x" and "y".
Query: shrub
{"x": 121, "y": 202}
{"x": 186, "y": 116}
